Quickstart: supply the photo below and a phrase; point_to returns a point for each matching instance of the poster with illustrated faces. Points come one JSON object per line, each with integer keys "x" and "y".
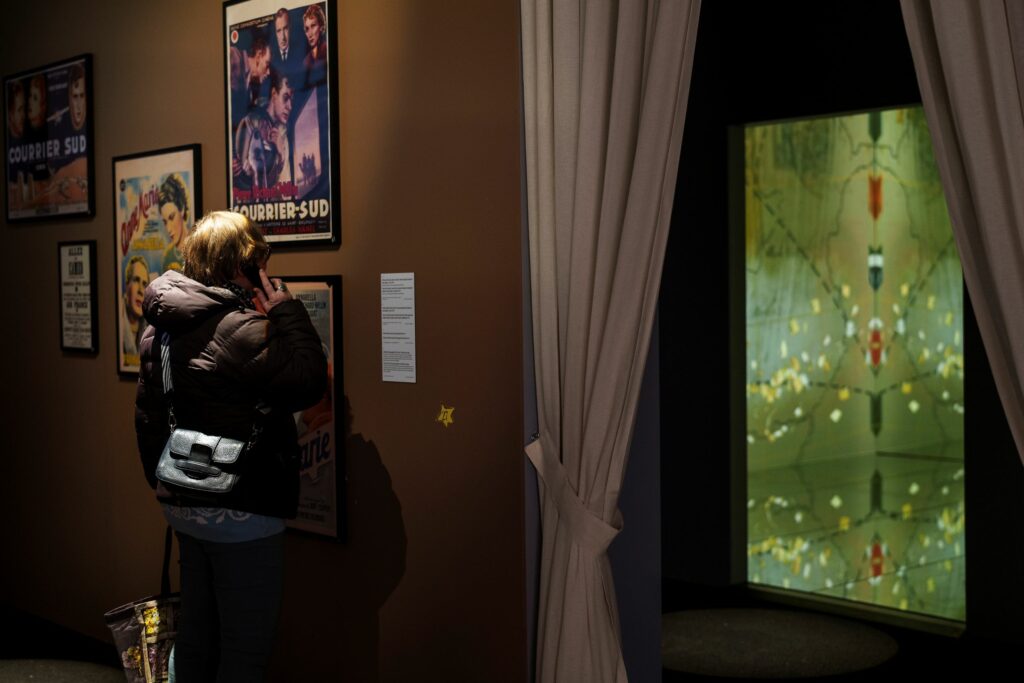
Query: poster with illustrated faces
{"x": 48, "y": 148}
{"x": 281, "y": 102}
{"x": 156, "y": 201}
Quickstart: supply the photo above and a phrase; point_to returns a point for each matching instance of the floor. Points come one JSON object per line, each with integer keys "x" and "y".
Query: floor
{"x": 921, "y": 654}
{"x": 29, "y": 637}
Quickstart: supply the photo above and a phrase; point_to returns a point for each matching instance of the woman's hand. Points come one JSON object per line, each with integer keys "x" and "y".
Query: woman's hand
{"x": 272, "y": 293}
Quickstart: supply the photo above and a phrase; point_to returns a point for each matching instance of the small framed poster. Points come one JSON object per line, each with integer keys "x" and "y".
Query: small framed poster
{"x": 281, "y": 99}
{"x": 48, "y": 148}
{"x": 157, "y": 196}
{"x": 79, "y": 326}
{"x": 322, "y": 427}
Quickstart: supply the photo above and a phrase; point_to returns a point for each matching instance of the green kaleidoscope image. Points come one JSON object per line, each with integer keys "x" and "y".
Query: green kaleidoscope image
{"x": 855, "y": 364}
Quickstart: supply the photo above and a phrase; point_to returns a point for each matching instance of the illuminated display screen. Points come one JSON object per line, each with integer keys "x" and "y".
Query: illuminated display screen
{"x": 855, "y": 364}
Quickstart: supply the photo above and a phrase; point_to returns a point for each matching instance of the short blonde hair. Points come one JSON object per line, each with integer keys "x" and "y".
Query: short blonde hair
{"x": 222, "y": 243}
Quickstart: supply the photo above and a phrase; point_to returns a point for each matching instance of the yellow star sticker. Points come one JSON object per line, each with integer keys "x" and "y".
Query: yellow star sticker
{"x": 445, "y": 416}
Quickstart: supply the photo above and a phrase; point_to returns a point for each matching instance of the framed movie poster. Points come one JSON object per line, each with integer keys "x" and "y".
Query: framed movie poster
{"x": 322, "y": 427}
{"x": 48, "y": 147}
{"x": 157, "y": 196}
{"x": 79, "y": 327}
{"x": 282, "y": 117}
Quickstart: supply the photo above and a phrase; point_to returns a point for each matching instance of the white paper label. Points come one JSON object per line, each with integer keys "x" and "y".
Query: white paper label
{"x": 398, "y": 327}
{"x": 76, "y": 300}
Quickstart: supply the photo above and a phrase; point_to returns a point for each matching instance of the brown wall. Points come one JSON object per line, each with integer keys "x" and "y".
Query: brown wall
{"x": 431, "y": 583}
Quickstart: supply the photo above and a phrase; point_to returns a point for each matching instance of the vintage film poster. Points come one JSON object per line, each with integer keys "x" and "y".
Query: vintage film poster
{"x": 48, "y": 144}
{"x": 157, "y": 196}
{"x": 76, "y": 263}
{"x": 321, "y": 433}
{"x": 281, "y": 103}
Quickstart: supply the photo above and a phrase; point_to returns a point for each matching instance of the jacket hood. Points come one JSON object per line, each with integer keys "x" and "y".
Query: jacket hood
{"x": 174, "y": 302}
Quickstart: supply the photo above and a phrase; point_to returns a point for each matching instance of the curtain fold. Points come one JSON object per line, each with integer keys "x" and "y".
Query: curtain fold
{"x": 605, "y": 89}
{"x": 969, "y": 58}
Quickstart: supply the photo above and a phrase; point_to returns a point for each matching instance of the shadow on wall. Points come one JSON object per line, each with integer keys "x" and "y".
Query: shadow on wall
{"x": 333, "y": 592}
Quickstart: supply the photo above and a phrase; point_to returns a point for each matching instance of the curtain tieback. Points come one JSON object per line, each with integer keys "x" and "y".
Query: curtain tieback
{"x": 588, "y": 530}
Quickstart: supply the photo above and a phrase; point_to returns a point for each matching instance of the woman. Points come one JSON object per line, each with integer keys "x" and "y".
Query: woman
{"x": 313, "y": 25}
{"x": 233, "y": 346}
{"x": 173, "y": 203}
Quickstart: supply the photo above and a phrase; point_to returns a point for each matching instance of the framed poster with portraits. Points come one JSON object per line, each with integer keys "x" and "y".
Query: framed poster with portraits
{"x": 281, "y": 99}
{"x": 321, "y": 427}
{"x": 79, "y": 317}
{"x": 48, "y": 148}
{"x": 157, "y": 197}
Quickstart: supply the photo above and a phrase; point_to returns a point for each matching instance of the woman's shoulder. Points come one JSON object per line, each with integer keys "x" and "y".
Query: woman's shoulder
{"x": 242, "y": 333}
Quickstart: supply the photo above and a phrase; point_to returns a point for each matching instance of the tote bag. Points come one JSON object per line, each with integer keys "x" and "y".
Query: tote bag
{"x": 144, "y": 629}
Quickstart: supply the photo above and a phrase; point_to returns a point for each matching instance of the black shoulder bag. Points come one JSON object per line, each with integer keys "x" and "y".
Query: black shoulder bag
{"x": 193, "y": 462}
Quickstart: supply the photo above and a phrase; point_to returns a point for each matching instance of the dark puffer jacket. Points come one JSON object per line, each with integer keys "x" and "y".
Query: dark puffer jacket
{"x": 226, "y": 358}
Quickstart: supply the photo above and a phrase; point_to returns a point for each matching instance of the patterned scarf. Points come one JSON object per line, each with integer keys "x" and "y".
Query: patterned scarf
{"x": 245, "y": 295}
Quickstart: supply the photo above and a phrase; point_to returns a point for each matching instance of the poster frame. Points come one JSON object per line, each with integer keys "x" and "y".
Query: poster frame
{"x": 333, "y": 236}
{"x": 338, "y": 417}
{"x": 93, "y": 297}
{"x": 90, "y": 156}
{"x": 197, "y": 201}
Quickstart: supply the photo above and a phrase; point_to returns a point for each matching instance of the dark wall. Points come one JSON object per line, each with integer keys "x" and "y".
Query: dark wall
{"x": 431, "y": 583}
{"x": 994, "y": 488}
{"x": 635, "y": 553}
{"x": 758, "y": 62}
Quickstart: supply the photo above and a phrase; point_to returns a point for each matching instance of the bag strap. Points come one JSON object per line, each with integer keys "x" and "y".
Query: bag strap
{"x": 165, "y": 576}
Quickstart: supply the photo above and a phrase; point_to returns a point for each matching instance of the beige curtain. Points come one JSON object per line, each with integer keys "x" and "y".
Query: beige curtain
{"x": 605, "y": 90}
{"x": 969, "y": 58}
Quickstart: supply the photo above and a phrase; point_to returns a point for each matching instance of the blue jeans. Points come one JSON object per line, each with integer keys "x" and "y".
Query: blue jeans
{"x": 230, "y": 599}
